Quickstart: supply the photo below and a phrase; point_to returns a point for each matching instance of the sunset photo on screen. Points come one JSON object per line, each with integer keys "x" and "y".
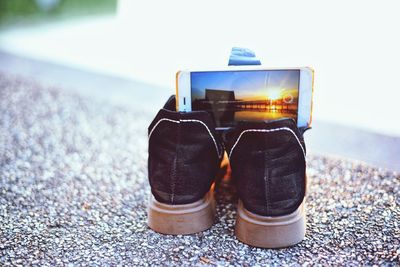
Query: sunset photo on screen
{"x": 257, "y": 95}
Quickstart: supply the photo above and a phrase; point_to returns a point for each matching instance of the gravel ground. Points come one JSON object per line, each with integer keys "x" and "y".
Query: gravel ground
{"x": 73, "y": 191}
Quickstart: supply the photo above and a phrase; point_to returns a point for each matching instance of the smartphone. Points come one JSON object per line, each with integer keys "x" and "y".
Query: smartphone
{"x": 247, "y": 93}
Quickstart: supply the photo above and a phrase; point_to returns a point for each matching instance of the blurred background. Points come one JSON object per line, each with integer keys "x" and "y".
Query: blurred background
{"x": 127, "y": 52}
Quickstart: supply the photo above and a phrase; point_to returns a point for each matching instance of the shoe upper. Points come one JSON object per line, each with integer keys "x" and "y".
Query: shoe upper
{"x": 268, "y": 166}
{"x": 184, "y": 154}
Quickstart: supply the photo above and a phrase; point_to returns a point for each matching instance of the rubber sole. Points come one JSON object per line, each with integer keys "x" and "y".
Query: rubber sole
{"x": 182, "y": 219}
{"x": 270, "y": 232}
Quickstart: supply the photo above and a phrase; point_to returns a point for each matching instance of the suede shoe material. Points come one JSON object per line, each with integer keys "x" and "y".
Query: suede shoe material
{"x": 184, "y": 154}
{"x": 268, "y": 166}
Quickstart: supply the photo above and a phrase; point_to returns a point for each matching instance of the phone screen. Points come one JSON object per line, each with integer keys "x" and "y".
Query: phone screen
{"x": 242, "y": 95}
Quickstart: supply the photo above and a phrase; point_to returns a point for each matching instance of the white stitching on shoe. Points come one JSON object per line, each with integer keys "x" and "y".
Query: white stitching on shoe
{"x": 179, "y": 121}
{"x": 267, "y": 131}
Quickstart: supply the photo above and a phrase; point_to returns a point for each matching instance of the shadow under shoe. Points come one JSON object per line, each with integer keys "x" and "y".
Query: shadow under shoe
{"x": 269, "y": 170}
{"x": 185, "y": 153}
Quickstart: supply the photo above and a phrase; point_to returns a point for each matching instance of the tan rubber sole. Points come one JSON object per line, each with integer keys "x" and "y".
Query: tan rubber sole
{"x": 182, "y": 219}
{"x": 270, "y": 232}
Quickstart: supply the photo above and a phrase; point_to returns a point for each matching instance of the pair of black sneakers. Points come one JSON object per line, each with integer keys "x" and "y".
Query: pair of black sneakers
{"x": 268, "y": 166}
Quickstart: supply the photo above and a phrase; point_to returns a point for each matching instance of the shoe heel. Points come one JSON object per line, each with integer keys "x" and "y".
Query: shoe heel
{"x": 182, "y": 219}
{"x": 270, "y": 232}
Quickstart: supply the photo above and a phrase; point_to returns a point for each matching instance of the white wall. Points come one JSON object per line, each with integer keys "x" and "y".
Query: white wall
{"x": 352, "y": 45}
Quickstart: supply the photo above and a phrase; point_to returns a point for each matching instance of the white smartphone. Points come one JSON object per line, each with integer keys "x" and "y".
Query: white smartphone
{"x": 247, "y": 93}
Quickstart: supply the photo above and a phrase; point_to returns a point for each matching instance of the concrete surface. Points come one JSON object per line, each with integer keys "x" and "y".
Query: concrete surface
{"x": 73, "y": 191}
{"x": 325, "y": 138}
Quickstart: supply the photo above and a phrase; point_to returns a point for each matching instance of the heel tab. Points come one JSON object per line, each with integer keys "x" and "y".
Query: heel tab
{"x": 171, "y": 103}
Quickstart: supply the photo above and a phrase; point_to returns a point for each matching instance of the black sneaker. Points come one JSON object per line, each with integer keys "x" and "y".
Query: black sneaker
{"x": 184, "y": 158}
{"x": 269, "y": 170}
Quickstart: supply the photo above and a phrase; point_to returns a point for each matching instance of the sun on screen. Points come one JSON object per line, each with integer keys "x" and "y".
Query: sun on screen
{"x": 274, "y": 94}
